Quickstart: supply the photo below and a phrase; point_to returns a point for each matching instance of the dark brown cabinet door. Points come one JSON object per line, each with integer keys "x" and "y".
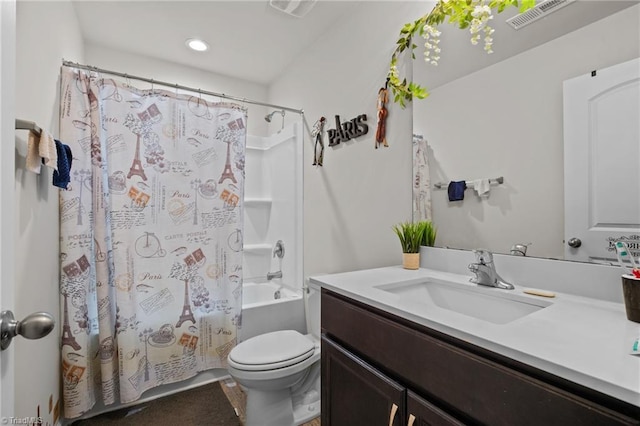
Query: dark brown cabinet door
{"x": 354, "y": 393}
{"x": 420, "y": 412}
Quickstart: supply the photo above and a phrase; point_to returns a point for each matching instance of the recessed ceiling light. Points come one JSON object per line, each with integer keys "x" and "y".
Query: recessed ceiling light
{"x": 197, "y": 44}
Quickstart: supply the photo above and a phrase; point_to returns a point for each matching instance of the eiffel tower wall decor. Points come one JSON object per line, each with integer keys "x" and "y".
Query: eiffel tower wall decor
{"x": 156, "y": 194}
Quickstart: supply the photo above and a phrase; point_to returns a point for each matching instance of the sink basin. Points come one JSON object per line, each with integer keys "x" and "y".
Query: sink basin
{"x": 483, "y": 303}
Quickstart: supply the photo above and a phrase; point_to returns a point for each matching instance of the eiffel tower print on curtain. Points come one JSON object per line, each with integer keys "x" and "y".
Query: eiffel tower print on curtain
{"x": 227, "y": 173}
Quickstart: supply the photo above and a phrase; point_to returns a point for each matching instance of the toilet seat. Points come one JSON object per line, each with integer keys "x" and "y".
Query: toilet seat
{"x": 271, "y": 351}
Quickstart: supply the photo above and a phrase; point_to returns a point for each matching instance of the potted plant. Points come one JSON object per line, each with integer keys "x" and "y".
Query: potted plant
{"x": 410, "y": 235}
{"x": 429, "y": 233}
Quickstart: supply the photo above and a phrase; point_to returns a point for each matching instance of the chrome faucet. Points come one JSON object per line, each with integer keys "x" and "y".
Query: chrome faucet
{"x": 485, "y": 271}
{"x": 272, "y": 275}
{"x": 278, "y": 251}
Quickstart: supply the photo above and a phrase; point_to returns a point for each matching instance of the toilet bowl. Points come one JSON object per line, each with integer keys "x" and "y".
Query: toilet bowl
{"x": 280, "y": 372}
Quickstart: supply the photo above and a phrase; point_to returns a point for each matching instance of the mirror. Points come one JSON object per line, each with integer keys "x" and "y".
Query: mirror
{"x": 501, "y": 115}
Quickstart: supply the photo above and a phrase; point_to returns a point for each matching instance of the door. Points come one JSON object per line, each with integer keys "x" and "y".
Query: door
{"x": 29, "y": 371}
{"x": 354, "y": 393}
{"x": 420, "y": 412}
{"x": 601, "y": 162}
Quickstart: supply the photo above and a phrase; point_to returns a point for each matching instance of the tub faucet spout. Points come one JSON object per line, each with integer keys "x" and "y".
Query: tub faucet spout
{"x": 272, "y": 275}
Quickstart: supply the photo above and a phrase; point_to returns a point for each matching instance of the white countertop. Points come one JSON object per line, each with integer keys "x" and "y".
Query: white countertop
{"x": 586, "y": 341}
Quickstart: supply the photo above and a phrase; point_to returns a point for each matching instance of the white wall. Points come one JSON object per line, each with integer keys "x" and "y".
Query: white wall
{"x": 352, "y": 201}
{"x": 506, "y": 120}
{"x": 46, "y": 32}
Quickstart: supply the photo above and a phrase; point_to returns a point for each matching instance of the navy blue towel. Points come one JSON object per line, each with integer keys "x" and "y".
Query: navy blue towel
{"x": 62, "y": 176}
{"x": 456, "y": 190}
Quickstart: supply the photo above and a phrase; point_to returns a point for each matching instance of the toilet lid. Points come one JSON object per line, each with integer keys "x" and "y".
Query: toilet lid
{"x": 268, "y": 351}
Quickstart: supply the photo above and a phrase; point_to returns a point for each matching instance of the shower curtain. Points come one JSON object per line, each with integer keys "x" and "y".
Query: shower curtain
{"x": 150, "y": 237}
{"x": 421, "y": 180}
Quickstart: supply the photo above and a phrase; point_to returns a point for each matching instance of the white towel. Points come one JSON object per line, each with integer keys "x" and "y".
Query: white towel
{"x": 482, "y": 187}
{"x": 40, "y": 148}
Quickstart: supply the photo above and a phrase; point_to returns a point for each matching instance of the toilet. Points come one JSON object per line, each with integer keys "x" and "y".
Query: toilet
{"x": 280, "y": 371}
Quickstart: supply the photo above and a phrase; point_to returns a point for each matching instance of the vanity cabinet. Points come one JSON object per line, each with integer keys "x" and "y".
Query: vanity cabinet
{"x": 373, "y": 360}
{"x": 362, "y": 395}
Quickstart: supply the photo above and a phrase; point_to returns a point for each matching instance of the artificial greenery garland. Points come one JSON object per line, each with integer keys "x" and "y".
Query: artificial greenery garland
{"x": 472, "y": 14}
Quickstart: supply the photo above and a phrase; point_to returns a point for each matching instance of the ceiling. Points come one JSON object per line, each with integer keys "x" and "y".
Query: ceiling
{"x": 249, "y": 40}
{"x": 459, "y": 57}
{"x": 253, "y": 41}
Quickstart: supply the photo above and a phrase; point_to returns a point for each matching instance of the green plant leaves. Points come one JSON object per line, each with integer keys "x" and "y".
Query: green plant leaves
{"x": 458, "y": 12}
{"x": 414, "y": 234}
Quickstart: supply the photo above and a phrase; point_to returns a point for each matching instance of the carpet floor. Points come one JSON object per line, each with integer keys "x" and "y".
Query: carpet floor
{"x": 203, "y": 406}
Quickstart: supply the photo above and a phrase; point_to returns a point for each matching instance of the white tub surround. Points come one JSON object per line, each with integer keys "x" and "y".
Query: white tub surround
{"x": 262, "y": 312}
{"x": 273, "y": 205}
{"x": 580, "y": 339}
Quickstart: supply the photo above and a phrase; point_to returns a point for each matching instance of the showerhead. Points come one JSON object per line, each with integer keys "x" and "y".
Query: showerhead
{"x": 268, "y": 117}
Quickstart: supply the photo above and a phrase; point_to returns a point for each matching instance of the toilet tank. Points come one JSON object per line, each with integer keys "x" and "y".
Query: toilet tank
{"x": 312, "y": 309}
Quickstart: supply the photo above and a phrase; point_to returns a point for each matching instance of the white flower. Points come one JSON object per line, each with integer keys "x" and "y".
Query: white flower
{"x": 430, "y": 35}
{"x": 481, "y": 15}
{"x": 481, "y": 10}
{"x": 394, "y": 72}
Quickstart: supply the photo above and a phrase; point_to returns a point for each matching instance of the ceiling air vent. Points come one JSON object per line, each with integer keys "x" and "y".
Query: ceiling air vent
{"x": 297, "y": 8}
{"x": 539, "y": 11}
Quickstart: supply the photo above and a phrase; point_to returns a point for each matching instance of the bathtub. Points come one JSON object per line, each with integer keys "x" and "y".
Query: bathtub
{"x": 270, "y": 306}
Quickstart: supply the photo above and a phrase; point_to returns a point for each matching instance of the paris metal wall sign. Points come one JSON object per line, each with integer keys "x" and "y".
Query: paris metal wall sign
{"x": 348, "y": 130}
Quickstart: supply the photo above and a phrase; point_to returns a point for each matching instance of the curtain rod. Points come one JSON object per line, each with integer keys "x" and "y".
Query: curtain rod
{"x": 178, "y": 86}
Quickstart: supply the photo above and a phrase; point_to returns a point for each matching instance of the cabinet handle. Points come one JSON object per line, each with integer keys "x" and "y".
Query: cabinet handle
{"x": 412, "y": 419}
{"x": 392, "y": 415}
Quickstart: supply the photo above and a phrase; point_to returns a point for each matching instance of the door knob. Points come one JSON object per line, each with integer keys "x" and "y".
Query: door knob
{"x": 34, "y": 326}
{"x": 574, "y": 242}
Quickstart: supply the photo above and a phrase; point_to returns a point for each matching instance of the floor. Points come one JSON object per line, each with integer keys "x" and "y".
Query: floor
{"x": 237, "y": 399}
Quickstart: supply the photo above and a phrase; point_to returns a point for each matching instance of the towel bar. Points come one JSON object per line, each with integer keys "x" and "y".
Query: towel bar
{"x": 28, "y": 125}
{"x": 494, "y": 181}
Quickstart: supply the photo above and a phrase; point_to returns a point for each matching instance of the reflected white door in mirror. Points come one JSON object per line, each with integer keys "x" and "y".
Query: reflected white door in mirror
{"x": 602, "y": 162}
